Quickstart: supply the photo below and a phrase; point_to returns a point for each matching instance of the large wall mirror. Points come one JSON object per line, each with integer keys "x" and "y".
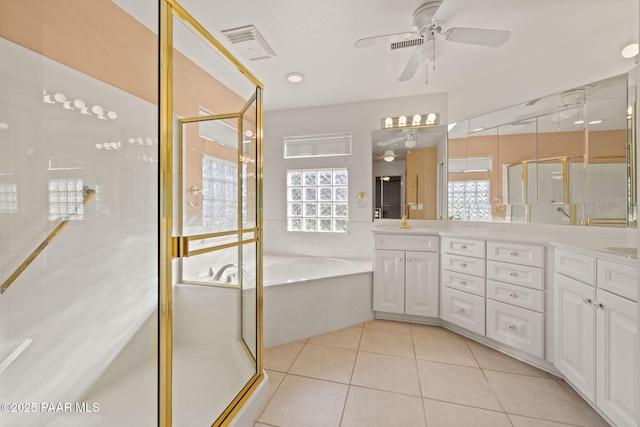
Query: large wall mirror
{"x": 408, "y": 171}
{"x": 567, "y": 158}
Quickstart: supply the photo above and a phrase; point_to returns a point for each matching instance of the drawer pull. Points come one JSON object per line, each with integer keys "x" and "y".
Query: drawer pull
{"x": 511, "y": 326}
{"x": 460, "y": 309}
{"x": 512, "y": 295}
{"x": 463, "y": 247}
{"x": 513, "y": 253}
{"x": 513, "y": 274}
{"x": 463, "y": 283}
{"x": 587, "y": 300}
{"x": 463, "y": 265}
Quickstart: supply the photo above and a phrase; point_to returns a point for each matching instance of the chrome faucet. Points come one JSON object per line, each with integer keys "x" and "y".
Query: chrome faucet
{"x": 222, "y": 270}
{"x": 561, "y": 210}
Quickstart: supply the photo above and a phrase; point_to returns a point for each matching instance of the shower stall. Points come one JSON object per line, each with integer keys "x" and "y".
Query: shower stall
{"x": 130, "y": 218}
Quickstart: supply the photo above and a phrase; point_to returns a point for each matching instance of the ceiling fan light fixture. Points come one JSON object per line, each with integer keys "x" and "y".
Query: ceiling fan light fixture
{"x": 295, "y": 77}
{"x": 388, "y": 156}
{"x": 630, "y": 50}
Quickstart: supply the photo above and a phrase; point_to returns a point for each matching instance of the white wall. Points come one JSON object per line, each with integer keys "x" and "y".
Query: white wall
{"x": 566, "y": 64}
{"x": 360, "y": 119}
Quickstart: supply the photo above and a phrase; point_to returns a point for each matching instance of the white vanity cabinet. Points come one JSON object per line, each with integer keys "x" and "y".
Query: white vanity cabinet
{"x": 596, "y": 330}
{"x": 462, "y": 294}
{"x": 515, "y": 295}
{"x": 405, "y": 274}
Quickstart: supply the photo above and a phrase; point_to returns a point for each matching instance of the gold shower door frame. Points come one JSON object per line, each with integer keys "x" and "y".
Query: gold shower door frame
{"x": 172, "y": 246}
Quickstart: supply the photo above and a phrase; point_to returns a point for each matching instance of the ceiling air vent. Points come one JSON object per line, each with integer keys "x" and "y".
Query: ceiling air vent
{"x": 406, "y": 43}
{"x": 249, "y": 43}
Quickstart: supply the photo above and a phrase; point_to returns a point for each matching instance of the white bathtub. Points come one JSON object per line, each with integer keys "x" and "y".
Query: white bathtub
{"x": 279, "y": 269}
{"x": 305, "y": 296}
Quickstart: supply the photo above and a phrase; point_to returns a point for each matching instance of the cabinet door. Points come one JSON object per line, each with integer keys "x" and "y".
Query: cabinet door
{"x": 388, "y": 281}
{"x": 574, "y": 330}
{"x": 421, "y": 284}
{"x": 617, "y": 356}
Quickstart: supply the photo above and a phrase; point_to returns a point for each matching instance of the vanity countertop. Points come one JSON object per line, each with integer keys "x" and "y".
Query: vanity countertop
{"x": 619, "y": 250}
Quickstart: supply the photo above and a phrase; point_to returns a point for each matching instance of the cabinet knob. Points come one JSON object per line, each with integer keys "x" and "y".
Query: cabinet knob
{"x": 463, "y": 283}
{"x": 598, "y": 305}
{"x": 463, "y": 265}
{"x": 463, "y": 247}
{"x": 513, "y": 273}
{"x": 512, "y": 295}
{"x": 511, "y": 326}
{"x": 409, "y": 259}
{"x": 399, "y": 259}
{"x": 513, "y": 253}
{"x": 586, "y": 300}
{"x": 461, "y": 310}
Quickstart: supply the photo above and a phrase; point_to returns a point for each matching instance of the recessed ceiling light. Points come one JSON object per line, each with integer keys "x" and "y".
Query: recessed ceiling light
{"x": 595, "y": 122}
{"x": 295, "y": 77}
{"x": 630, "y": 50}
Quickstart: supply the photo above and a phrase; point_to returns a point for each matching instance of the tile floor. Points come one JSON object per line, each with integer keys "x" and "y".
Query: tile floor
{"x": 384, "y": 373}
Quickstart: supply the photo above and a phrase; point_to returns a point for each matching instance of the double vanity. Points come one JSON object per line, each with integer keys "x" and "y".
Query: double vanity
{"x": 563, "y": 303}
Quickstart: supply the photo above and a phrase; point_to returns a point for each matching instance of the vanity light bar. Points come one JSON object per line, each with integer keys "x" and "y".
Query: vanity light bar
{"x": 410, "y": 121}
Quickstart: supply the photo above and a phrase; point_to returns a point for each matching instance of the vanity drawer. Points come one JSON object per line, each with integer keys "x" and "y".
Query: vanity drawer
{"x": 577, "y": 266}
{"x": 516, "y": 253}
{"x": 516, "y": 327}
{"x": 619, "y": 279}
{"x": 463, "y": 282}
{"x": 407, "y": 243}
{"x": 528, "y": 298}
{"x": 463, "y": 309}
{"x": 468, "y": 247}
{"x": 523, "y": 275}
{"x": 463, "y": 264}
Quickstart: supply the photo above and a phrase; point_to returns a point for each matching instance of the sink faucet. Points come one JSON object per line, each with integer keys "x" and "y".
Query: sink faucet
{"x": 222, "y": 270}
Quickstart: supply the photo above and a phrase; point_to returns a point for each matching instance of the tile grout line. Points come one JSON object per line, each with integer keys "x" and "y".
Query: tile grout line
{"x": 415, "y": 360}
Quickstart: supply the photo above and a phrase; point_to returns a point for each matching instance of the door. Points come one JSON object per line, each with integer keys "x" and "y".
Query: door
{"x": 388, "y": 281}
{"x": 617, "y": 353}
{"x": 574, "y": 323}
{"x": 421, "y": 284}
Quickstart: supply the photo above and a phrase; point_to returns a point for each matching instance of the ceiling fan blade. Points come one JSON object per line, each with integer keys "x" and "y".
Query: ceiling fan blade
{"x": 384, "y": 39}
{"x": 412, "y": 66}
{"x": 447, "y": 9}
{"x": 391, "y": 141}
{"x": 478, "y": 36}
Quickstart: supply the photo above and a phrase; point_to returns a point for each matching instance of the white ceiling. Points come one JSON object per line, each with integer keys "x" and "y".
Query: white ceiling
{"x": 316, "y": 38}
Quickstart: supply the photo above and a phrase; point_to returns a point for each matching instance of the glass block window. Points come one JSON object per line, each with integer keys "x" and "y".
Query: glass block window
{"x": 318, "y": 200}
{"x": 469, "y": 200}
{"x": 8, "y": 198}
{"x": 220, "y": 194}
{"x": 65, "y": 199}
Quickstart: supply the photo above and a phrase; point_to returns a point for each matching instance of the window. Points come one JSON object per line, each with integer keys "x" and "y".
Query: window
{"x": 66, "y": 198}
{"x": 8, "y": 198}
{"x": 317, "y": 200}
{"x": 469, "y": 200}
{"x": 220, "y": 194}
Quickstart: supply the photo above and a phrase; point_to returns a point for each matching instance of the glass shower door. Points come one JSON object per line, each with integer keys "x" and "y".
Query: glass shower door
{"x": 216, "y": 294}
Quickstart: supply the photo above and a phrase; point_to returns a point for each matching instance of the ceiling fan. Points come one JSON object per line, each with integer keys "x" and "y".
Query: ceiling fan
{"x": 428, "y": 22}
{"x": 408, "y": 138}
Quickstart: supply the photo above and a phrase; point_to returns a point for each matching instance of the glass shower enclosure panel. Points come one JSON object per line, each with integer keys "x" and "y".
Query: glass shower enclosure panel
{"x": 216, "y": 350}
{"x": 78, "y": 213}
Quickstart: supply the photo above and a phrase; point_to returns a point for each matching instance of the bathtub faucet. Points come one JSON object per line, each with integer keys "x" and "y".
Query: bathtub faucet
{"x": 222, "y": 270}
